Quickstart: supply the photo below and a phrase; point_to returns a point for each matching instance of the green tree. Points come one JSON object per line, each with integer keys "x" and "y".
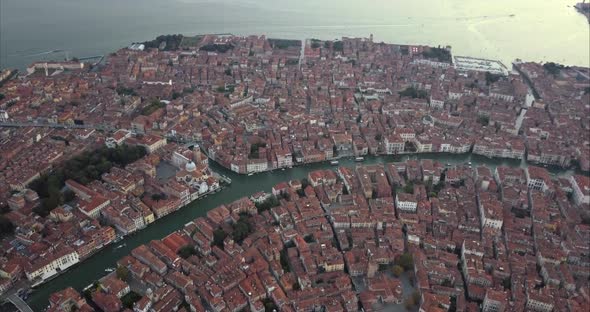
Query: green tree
{"x": 83, "y": 168}
{"x": 254, "y": 149}
{"x": 269, "y": 305}
{"x": 553, "y": 68}
{"x": 169, "y": 42}
{"x": 492, "y": 78}
{"x": 186, "y": 251}
{"x": 305, "y": 183}
{"x": 129, "y": 299}
{"x": 47, "y": 204}
{"x": 219, "y": 236}
{"x": 397, "y": 270}
{"x": 89, "y": 291}
{"x": 158, "y": 196}
{"x": 221, "y": 48}
{"x": 242, "y": 229}
{"x": 438, "y": 54}
{"x": 483, "y": 120}
{"x": 414, "y": 93}
{"x": 507, "y": 283}
{"x": 416, "y": 296}
{"x": 125, "y": 91}
{"x": 409, "y": 188}
{"x": 68, "y": 196}
{"x": 6, "y": 226}
{"x": 284, "y": 43}
{"x": 122, "y": 273}
{"x": 269, "y": 203}
{"x": 284, "y": 259}
{"x": 406, "y": 261}
{"x": 154, "y": 105}
{"x": 411, "y": 302}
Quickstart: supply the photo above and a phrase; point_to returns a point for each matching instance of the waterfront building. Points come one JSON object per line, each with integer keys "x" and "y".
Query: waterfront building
{"x": 581, "y": 188}
{"x": 50, "y": 264}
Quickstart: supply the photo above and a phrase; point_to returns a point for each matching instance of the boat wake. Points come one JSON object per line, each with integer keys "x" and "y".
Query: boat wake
{"x": 39, "y": 53}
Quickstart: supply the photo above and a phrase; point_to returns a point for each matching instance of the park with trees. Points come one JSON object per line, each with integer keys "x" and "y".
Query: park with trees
{"x": 84, "y": 168}
{"x": 438, "y": 54}
{"x": 414, "y": 93}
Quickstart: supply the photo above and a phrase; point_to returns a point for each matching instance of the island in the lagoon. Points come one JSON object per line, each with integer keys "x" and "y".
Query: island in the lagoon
{"x": 460, "y": 181}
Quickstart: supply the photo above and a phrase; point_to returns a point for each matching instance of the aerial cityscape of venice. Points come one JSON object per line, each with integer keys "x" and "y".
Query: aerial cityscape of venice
{"x": 251, "y": 172}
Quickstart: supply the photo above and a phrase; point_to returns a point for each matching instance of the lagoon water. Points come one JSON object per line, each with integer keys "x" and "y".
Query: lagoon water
{"x": 550, "y": 30}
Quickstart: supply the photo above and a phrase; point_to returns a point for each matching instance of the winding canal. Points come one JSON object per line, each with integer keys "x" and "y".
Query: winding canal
{"x": 93, "y": 268}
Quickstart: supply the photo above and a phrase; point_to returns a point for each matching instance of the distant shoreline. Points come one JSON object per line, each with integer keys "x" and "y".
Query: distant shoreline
{"x": 106, "y": 54}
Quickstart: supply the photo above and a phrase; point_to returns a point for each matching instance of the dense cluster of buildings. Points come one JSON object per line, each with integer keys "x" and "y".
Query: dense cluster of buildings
{"x": 125, "y": 199}
{"x": 256, "y": 104}
{"x": 507, "y": 239}
{"x": 261, "y": 105}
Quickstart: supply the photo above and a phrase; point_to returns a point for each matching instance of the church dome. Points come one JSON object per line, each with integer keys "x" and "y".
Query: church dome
{"x": 190, "y": 166}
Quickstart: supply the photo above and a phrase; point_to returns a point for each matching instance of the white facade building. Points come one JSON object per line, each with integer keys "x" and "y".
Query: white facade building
{"x": 394, "y": 145}
{"x": 256, "y": 165}
{"x": 406, "y": 203}
{"x": 581, "y": 189}
{"x": 49, "y": 265}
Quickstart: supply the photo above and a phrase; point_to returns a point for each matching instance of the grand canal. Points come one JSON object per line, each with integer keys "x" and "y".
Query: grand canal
{"x": 93, "y": 268}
